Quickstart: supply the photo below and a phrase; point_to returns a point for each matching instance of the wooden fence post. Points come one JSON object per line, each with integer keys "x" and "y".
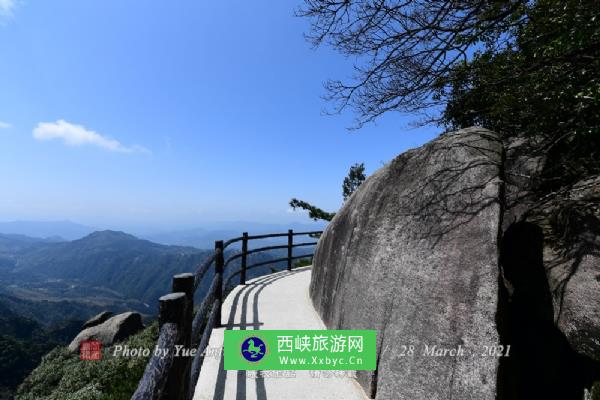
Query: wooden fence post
{"x": 290, "y": 248}
{"x": 244, "y": 258}
{"x": 219, "y": 262}
{"x": 172, "y": 309}
{"x": 185, "y": 283}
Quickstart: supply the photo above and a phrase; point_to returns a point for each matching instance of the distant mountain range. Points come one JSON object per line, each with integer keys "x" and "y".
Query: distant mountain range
{"x": 66, "y": 230}
{"x": 103, "y": 270}
{"x": 48, "y": 284}
{"x": 202, "y": 237}
{"x": 109, "y": 269}
{"x": 10, "y": 243}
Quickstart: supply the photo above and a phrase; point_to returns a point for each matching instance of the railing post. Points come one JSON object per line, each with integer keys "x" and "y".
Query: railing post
{"x": 290, "y": 248}
{"x": 219, "y": 262}
{"x": 185, "y": 283}
{"x": 162, "y": 379}
{"x": 244, "y": 258}
{"x": 172, "y": 309}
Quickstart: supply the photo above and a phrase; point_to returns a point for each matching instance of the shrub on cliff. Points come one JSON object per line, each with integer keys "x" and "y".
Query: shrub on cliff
{"x": 63, "y": 376}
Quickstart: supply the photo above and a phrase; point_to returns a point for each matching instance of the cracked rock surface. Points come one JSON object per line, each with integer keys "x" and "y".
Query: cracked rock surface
{"x": 413, "y": 253}
{"x": 417, "y": 253}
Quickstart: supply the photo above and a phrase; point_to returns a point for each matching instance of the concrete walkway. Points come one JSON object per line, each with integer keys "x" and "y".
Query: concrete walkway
{"x": 276, "y": 301}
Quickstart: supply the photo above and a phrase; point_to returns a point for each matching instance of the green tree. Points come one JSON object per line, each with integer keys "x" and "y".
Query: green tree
{"x": 547, "y": 86}
{"x": 526, "y": 68}
{"x": 406, "y": 49}
{"x": 314, "y": 212}
{"x": 355, "y": 177}
{"x": 352, "y": 181}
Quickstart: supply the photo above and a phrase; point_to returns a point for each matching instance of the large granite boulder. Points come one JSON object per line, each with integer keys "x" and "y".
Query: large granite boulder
{"x": 97, "y": 319}
{"x": 461, "y": 243}
{"x": 414, "y": 254}
{"x": 111, "y": 331}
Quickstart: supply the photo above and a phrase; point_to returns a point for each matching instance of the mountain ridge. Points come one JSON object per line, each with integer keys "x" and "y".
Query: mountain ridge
{"x": 134, "y": 268}
{"x": 44, "y": 229}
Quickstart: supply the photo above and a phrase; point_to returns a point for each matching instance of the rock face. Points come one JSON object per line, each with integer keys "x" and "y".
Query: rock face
{"x": 549, "y": 303}
{"x": 97, "y": 319}
{"x": 112, "y": 330}
{"x": 457, "y": 243}
{"x": 570, "y": 223}
{"x": 414, "y": 254}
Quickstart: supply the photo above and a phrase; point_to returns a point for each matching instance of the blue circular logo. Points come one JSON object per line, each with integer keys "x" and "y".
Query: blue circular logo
{"x": 253, "y": 349}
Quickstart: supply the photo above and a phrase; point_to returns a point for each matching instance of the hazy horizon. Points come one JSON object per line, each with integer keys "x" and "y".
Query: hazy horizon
{"x": 46, "y": 227}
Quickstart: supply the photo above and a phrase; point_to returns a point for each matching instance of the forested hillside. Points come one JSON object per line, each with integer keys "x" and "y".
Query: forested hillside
{"x": 49, "y": 286}
{"x": 23, "y": 342}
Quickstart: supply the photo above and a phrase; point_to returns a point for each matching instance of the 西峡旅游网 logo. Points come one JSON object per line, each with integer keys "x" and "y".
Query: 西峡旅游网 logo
{"x": 253, "y": 349}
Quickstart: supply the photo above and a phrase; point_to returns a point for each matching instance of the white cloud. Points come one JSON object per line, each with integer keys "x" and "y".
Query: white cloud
{"x": 4, "y": 125}
{"x": 7, "y": 7}
{"x": 78, "y": 135}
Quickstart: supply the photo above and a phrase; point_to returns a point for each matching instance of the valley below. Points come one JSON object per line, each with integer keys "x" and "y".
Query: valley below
{"x": 49, "y": 287}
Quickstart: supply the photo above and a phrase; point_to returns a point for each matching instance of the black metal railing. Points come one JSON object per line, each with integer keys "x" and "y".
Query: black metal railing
{"x": 170, "y": 377}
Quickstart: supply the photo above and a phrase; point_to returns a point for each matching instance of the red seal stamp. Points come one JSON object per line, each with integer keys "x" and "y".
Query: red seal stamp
{"x": 90, "y": 350}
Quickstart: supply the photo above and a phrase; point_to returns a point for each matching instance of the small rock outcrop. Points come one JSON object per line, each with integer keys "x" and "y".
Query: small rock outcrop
{"x": 97, "y": 319}
{"x": 110, "y": 331}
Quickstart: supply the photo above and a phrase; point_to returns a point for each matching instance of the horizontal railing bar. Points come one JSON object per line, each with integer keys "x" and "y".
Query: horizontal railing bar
{"x": 305, "y": 244}
{"x": 230, "y": 277}
{"x": 267, "y": 262}
{"x": 278, "y": 260}
{"x": 266, "y": 236}
{"x": 267, "y": 248}
{"x": 199, "y": 357}
{"x": 273, "y": 235}
{"x": 199, "y": 274}
{"x": 307, "y": 233}
{"x": 303, "y": 256}
{"x": 206, "y": 265}
{"x": 152, "y": 384}
{"x": 262, "y": 264}
{"x": 232, "y": 258}
{"x": 154, "y": 381}
{"x": 200, "y": 318}
{"x": 231, "y": 241}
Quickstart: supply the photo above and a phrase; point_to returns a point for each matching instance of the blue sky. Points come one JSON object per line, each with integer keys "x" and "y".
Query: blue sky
{"x": 172, "y": 114}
